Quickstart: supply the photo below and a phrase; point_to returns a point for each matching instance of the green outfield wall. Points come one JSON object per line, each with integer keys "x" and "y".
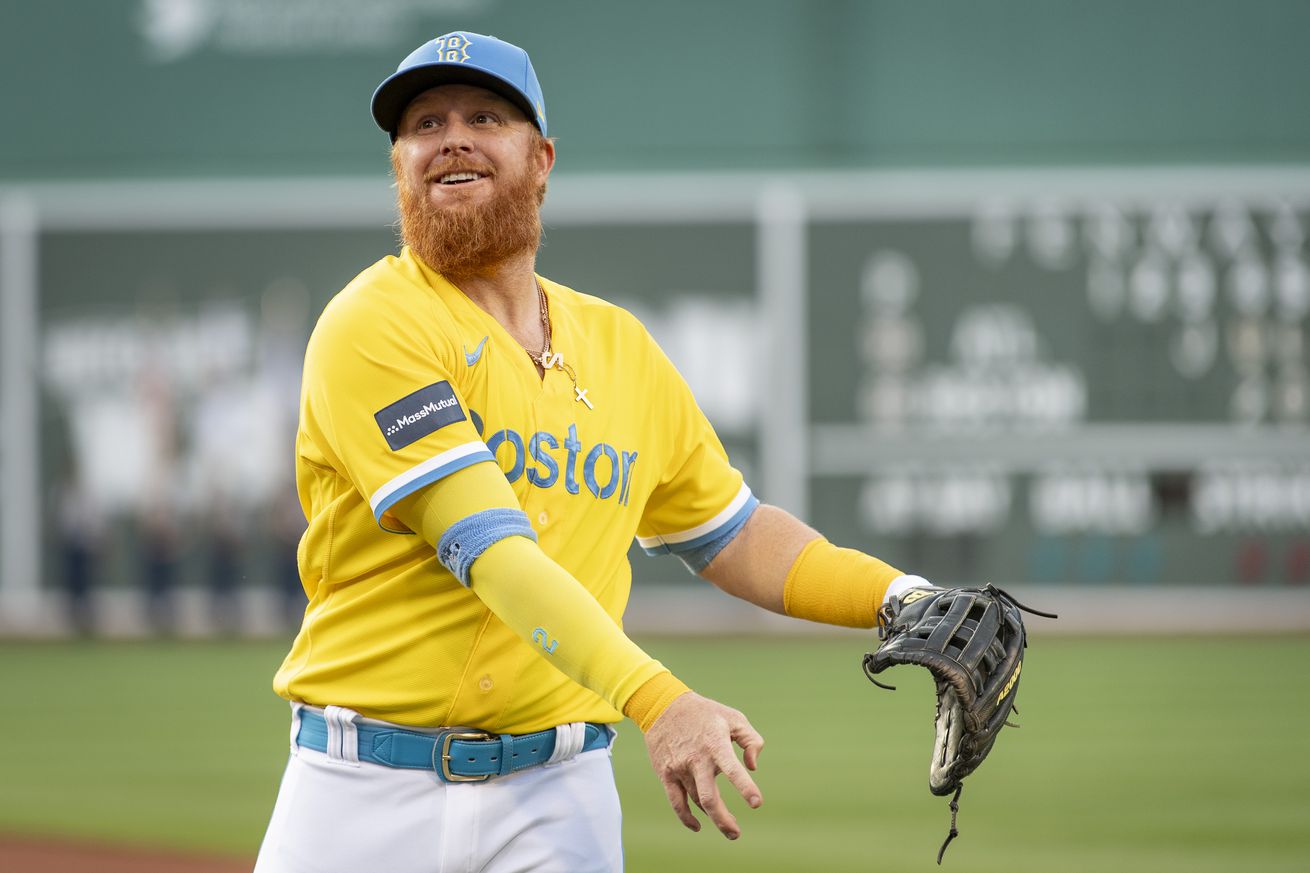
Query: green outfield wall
{"x": 1010, "y": 291}
{"x": 133, "y": 88}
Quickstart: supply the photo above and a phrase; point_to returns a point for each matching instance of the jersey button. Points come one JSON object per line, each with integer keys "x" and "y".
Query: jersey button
{"x": 542, "y": 518}
{"x": 486, "y": 684}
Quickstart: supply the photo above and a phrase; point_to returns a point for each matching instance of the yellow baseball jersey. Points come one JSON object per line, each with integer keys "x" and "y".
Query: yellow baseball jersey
{"x": 407, "y": 381}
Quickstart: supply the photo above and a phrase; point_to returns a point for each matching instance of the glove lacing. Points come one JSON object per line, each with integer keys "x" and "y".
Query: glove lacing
{"x": 1000, "y": 592}
{"x": 955, "y": 809}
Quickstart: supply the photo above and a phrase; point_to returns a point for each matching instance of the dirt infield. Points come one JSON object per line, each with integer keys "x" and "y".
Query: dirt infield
{"x": 19, "y": 855}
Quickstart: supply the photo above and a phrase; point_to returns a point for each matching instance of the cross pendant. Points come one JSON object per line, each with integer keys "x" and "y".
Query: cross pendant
{"x": 580, "y": 394}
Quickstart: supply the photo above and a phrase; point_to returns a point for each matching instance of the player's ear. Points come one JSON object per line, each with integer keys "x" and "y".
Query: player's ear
{"x": 545, "y": 155}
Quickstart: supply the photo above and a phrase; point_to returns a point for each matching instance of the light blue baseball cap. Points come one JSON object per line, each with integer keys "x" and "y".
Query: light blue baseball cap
{"x": 461, "y": 58}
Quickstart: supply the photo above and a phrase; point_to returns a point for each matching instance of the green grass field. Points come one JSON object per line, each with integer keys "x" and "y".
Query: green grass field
{"x": 1180, "y": 755}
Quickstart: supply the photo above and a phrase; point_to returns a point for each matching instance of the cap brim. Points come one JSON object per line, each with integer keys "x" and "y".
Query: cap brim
{"x": 393, "y": 95}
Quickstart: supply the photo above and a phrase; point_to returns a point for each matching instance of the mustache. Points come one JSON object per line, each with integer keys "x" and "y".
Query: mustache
{"x": 434, "y": 175}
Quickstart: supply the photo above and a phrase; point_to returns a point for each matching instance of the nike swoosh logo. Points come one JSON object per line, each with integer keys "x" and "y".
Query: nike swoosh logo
{"x": 472, "y": 358}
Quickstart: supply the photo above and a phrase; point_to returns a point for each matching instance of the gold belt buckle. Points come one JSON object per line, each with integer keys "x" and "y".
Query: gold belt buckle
{"x": 449, "y": 738}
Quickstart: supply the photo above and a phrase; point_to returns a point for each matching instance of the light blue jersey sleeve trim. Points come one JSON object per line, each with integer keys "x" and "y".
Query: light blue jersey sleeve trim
{"x": 699, "y": 557}
{"x": 424, "y": 474}
{"x": 730, "y": 519}
{"x": 466, "y": 540}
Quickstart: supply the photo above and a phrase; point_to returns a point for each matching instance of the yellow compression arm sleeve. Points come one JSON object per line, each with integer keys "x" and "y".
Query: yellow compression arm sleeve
{"x": 542, "y": 602}
{"x": 836, "y": 586}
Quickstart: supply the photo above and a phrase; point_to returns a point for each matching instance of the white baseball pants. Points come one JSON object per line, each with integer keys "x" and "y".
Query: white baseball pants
{"x": 335, "y": 815}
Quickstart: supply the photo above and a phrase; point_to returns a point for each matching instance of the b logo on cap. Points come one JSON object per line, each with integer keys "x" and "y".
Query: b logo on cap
{"x": 453, "y": 48}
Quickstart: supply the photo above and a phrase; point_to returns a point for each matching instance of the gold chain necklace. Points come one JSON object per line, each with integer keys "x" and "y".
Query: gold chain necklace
{"x": 547, "y": 359}
{"x": 541, "y": 359}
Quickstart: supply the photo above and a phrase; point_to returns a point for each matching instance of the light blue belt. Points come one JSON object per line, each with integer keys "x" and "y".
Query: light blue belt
{"x": 456, "y": 754}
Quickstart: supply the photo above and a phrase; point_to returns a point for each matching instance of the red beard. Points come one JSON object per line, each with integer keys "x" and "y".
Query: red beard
{"x": 467, "y": 240}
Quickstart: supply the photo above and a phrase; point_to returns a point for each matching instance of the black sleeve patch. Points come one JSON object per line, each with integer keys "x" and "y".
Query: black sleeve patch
{"x": 414, "y": 417}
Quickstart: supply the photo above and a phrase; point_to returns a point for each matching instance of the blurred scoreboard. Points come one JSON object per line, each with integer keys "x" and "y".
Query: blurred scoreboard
{"x": 1011, "y": 379}
{"x": 1107, "y": 392}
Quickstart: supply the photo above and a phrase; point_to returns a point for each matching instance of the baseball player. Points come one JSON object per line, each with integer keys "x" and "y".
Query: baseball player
{"x": 478, "y": 445}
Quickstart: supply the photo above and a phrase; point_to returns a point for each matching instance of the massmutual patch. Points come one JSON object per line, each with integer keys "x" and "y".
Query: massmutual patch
{"x": 414, "y": 417}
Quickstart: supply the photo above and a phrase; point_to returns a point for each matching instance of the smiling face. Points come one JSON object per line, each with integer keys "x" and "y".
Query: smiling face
{"x": 471, "y": 174}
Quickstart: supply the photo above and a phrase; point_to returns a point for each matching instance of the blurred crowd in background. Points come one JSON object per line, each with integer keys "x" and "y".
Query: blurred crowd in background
{"x": 177, "y": 431}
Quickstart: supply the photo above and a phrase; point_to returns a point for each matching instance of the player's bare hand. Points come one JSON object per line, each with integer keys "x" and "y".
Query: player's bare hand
{"x": 690, "y": 744}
